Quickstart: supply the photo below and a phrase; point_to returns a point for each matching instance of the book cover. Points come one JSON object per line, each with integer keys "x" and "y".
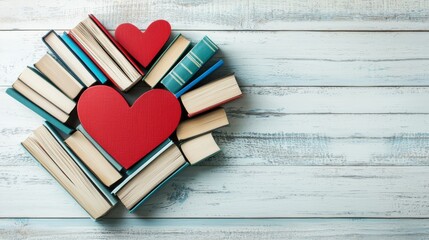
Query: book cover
{"x": 189, "y": 65}
{"x": 158, "y": 187}
{"x": 99, "y": 148}
{"x": 120, "y": 48}
{"x": 143, "y": 163}
{"x": 162, "y": 55}
{"x": 201, "y": 77}
{"x": 20, "y": 98}
{"x": 100, "y": 186}
{"x": 84, "y": 58}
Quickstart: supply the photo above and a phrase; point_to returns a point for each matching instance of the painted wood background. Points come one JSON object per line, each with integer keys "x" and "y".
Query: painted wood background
{"x": 331, "y": 139}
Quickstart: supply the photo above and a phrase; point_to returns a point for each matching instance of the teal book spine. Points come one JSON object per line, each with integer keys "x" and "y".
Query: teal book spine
{"x": 84, "y": 58}
{"x": 158, "y": 187}
{"x": 189, "y": 65}
{"x": 143, "y": 163}
{"x": 55, "y": 122}
{"x": 109, "y": 158}
{"x": 103, "y": 189}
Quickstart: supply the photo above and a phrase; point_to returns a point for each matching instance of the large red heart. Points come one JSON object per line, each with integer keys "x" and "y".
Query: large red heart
{"x": 128, "y": 133}
{"x": 143, "y": 46}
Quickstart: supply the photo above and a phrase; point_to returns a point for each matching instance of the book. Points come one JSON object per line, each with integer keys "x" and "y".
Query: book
{"x": 162, "y": 184}
{"x": 113, "y": 40}
{"x": 49, "y": 153}
{"x": 103, "y": 189}
{"x": 92, "y": 158}
{"x": 41, "y": 112}
{"x": 99, "y": 148}
{"x": 199, "y": 148}
{"x": 84, "y": 58}
{"x": 138, "y": 167}
{"x": 150, "y": 177}
{"x": 197, "y": 80}
{"x": 93, "y": 41}
{"x": 40, "y": 101}
{"x": 70, "y": 61}
{"x": 201, "y": 124}
{"x": 211, "y": 95}
{"x": 59, "y": 76}
{"x": 189, "y": 65}
{"x": 167, "y": 60}
{"x": 42, "y": 87}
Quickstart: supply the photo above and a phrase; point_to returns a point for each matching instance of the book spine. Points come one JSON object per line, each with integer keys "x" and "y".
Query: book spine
{"x": 120, "y": 48}
{"x": 213, "y": 106}
{"x": 189, "y": 65}
{"x": 199, "y": 78}
{"x": 106, "y": 193}
{"x": 84, "y": 58}
{"x": 158, "y": 187}
{"x": 20, "y": 98}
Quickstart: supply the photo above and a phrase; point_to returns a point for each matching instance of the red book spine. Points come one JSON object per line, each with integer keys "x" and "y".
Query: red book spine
{"x": 121, "y": 49}
{"x": 70, "y": 34}
{"x": 213, "y": 106}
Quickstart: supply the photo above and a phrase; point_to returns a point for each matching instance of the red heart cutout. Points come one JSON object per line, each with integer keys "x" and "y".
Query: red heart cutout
{"x": 128, "y": 133}
{"x": 143, "y": 46}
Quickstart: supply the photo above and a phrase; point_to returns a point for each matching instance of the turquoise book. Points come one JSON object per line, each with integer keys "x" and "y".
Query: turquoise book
{"x": 158, "y": 187}
{"x": 132, "y": 172}
{"x": 199, "y": 78}
{"x": 103, "y": 189}
{"x": 23, "y": 100}
{"x": 84, "y": 58}
{"x": 109, "y": 158}
{"x": 189, "y": 65}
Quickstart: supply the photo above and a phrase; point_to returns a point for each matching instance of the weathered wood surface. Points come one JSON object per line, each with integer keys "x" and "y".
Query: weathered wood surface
{"x": 214, "y": 229}
{"x": 333, "y": 126}
{"x": 280, "y": 58}
{"x": 222, "y": 14}
{"x": 242, "y": 192}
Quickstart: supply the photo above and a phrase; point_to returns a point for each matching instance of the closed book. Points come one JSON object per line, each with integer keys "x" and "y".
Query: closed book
{"x": 162, "y": 184}
{"x": 92, "y": 158}
{"x": 153, "y": 175}
{"x": 59, "y": 76}
{"x": 20, "y": 98}
{"x": 189, "y": 65}
{"x": 47, "y": 150}
{"x": 99, "y": 148}
{"x": 132, "y": 172}
{"x": 167, "y": 60}
{"x": 199, "y": 148}
{"x": 103, "y": 189}
{"x": 84, "y": 58}
{"x": 200, "y": 78}
{"x": 211, "y": 95}
{"x": 68, "y": 58}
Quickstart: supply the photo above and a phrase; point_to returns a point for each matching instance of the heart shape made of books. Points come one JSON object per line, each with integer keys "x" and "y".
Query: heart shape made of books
{"x": 117, "y": 152}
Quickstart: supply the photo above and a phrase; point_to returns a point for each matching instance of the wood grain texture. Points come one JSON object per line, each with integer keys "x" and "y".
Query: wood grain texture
{"x": 215, "y": 229}
{"x": 281, "y": 58}
{"x": 241, "y": 192}
{"x": 223, "y": 14}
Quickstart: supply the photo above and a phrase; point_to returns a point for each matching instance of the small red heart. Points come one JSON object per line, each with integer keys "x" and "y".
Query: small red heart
{"x": 143, "y": 46}
{"x": 128, "y": 133}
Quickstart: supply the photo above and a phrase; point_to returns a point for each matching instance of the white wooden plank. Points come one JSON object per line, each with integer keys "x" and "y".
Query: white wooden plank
{"x": 215, "y": 229}
{"x": 223, "y": 14}
{"x": 241, "y": 191}
{"x": 275, "y": 139}
{"x": 282, "y": 58}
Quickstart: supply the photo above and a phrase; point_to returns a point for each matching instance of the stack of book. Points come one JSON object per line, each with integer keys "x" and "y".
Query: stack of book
{"x": 89, "y": 55}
